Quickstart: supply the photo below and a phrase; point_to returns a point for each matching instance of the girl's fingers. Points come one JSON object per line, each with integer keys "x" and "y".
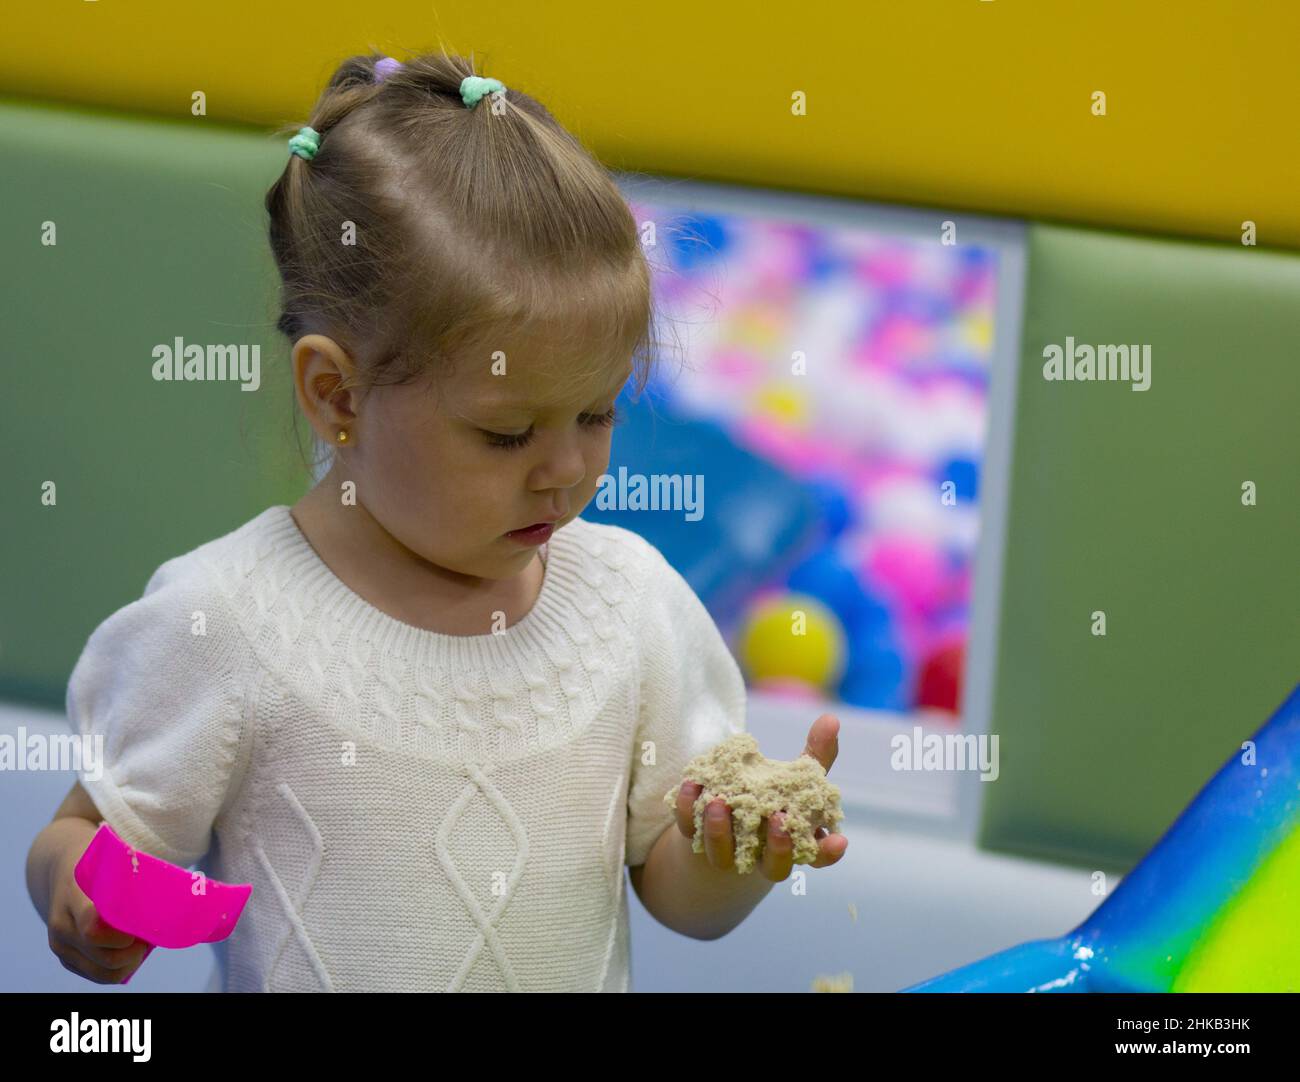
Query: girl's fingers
{"x": 830, "y": 848}
{"x": 122, "y": 961}
{"x": 108, "y": 959}
{"x": 74, "y": 962}
{"x": 686, "y": 797}
{"x": 823, "y": 742}
{"x": 778, "y": 852}
{"x": 719, "y": 840}
{"x": 94, "y": 929}
{"x": 719, "y": 845}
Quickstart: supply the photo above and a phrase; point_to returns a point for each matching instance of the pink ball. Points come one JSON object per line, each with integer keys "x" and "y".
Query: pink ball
{"x": 911, "y": 571}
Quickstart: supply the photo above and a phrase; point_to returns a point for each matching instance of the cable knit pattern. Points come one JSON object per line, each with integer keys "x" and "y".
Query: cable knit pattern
{"x": 415, "y": 811}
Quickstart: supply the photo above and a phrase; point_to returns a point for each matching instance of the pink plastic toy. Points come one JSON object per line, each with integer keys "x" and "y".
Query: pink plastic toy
{"x": 153, "y": 899}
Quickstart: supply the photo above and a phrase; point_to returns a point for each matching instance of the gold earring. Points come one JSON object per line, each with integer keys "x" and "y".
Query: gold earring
{"x": 342, "y": 437}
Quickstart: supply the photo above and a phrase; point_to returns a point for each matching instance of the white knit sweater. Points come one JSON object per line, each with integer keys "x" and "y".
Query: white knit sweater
{"x": 415, "y": 811}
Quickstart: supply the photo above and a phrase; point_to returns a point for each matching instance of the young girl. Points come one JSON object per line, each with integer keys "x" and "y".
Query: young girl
{"x": 428, "y": 712}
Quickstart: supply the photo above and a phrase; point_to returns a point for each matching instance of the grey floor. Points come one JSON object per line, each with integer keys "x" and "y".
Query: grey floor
{"x": 925, "y": 902}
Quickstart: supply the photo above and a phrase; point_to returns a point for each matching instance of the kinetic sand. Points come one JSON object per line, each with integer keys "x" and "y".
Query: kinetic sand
{"x": 754, "y": 787}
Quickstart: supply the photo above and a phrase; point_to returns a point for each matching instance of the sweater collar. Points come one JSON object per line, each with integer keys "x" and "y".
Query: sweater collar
{"x": 319, "y": 587}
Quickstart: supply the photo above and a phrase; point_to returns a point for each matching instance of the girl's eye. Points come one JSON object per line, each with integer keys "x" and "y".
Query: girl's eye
{"x": 593, "y": 420}
{"x": 496, "y": 439}
{"x": 605, "y": 420}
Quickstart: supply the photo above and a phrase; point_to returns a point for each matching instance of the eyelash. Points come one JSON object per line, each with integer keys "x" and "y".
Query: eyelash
{"x": 513, "y": 443}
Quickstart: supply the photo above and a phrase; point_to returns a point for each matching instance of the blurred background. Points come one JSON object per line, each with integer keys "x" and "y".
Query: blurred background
{"x": 837, "y": 377}
{"x": 860, "y": 294}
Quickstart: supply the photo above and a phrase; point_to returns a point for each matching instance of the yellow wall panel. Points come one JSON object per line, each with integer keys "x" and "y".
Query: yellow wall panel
{"x": 974, "y": 104}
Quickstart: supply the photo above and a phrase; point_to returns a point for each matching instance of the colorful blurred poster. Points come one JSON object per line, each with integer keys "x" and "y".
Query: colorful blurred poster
{"x": 850, "y": 370}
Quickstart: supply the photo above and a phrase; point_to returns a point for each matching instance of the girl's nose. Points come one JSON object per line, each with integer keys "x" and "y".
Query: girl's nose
{"x": 563, "y": 467}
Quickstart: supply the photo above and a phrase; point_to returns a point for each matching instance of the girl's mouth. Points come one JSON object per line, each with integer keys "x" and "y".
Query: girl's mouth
{"x": 534, "y": 534}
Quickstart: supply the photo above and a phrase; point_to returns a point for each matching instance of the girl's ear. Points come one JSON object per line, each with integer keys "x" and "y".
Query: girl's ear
{"x": 325, "y": 381}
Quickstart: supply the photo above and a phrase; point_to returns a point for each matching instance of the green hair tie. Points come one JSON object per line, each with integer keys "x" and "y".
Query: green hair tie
{"x": 473, "y": 87}
{"x": 305, "y": 143}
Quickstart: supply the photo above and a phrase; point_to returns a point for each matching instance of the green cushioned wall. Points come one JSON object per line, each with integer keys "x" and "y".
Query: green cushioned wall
{"x": 1130, "y": 503}
{"x": 159, "y": 234}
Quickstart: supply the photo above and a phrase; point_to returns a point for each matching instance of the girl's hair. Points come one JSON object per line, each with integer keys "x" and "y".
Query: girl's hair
{"x": 424, "y": 232}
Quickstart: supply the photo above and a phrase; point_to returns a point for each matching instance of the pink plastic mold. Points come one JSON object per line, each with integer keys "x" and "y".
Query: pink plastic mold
{"x": 153, "y": 899}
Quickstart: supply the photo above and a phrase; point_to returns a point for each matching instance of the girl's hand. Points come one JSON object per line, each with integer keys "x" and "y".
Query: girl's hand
{"x": 82, "y": 940}
{"x": 777, "y": 858}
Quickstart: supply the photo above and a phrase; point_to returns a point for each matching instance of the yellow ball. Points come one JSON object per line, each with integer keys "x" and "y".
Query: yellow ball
{"x": 793, "y": 636}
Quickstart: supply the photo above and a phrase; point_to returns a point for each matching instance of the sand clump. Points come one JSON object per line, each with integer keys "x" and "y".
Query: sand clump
{"x": 754, "y": 787}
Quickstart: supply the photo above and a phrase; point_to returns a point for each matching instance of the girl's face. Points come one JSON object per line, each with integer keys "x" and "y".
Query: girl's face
{"x": 449, "y": 473}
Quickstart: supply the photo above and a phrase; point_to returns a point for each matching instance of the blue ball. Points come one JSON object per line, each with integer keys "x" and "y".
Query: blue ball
{"x": 875, "y": 680}
{"x": 694, "y": 240}
{"x": 964, "y": 474}
{"x": 826, "y": 577}
{"x": 836, "y": 513}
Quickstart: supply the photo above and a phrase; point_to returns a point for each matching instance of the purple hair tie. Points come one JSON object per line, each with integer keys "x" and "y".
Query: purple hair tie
{"x": 384, "y": 68}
